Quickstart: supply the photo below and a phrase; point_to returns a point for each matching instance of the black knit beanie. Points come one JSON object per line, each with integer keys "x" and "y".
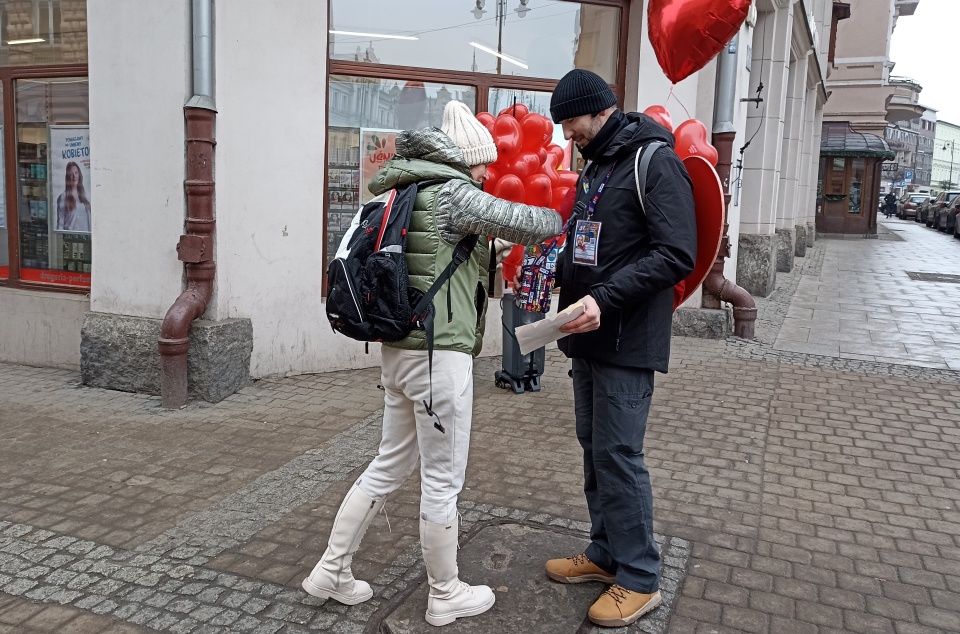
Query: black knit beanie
{"x": 580, "y": 92}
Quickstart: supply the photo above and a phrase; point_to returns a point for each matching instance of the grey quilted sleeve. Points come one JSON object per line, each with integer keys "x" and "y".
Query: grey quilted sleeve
{"x": 462, "y": 209}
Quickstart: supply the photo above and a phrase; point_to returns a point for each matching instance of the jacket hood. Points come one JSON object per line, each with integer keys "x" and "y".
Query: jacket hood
{"x": 421, "y": 155}
{"x": 638, "y": 131}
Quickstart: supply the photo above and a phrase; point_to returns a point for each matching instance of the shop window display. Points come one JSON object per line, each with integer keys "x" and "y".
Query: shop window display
{"x": 53, "y": 177}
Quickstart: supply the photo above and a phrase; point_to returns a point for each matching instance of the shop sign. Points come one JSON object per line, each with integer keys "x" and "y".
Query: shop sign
{"x": 376, "y": 148}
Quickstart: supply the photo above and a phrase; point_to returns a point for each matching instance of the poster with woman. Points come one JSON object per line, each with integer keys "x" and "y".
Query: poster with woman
{"x": 69, "y": 178}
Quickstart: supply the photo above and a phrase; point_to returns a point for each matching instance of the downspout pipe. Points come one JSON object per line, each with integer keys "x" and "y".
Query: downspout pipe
{"x": 716, "y": 288}
{"x": 195, "y": 248}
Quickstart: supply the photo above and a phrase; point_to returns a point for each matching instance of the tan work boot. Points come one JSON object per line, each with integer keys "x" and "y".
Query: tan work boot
{"x": 618, "y": 606}
{"x": 577, "y": 569}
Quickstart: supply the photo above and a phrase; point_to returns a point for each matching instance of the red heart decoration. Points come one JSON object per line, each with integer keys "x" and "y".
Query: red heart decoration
{"x": 691, "y": 140}
{"x": 661, "y": 115}
{"x": 686, "y": 34}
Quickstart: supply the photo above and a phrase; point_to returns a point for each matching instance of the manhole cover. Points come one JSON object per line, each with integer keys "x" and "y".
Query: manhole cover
{"x": 942, "y": 278}
{"x": 509, "y": 556}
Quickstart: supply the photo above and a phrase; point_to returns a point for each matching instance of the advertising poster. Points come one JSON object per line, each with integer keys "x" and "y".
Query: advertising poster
{"x": 376, "y": 148}
{"x": 69, "y": 178}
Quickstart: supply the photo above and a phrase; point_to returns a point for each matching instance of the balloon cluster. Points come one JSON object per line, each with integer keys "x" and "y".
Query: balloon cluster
{"x": 529, "y": 167}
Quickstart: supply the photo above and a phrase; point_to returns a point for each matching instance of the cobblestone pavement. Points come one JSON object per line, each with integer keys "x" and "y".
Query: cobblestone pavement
{"x": 795, "y": 492}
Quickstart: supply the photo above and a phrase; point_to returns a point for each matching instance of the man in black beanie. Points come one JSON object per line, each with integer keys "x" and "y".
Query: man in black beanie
{"x": 623, "y": 258}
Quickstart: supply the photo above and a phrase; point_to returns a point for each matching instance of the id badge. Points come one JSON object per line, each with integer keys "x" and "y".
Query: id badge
{"x": 586, "y": 242}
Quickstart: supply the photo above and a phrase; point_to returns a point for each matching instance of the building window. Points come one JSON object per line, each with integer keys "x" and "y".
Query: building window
{"x": 362, "y": 135}
{"x": 529, "y": 38}
{"x": 45, "y": 189}
{"x": 393, "y": 69}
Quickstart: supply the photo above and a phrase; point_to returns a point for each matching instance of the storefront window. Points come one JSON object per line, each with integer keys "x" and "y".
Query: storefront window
{"x": 365, "y": 116}
{"x": 53, "y": 179}
{"x": 528, "y": 38}
{"x": 36, "y": 32}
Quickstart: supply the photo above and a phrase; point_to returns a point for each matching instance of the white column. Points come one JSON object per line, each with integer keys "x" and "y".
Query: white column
{"x": 792, "y": 148}
{"x": 761, "y": 174}
{"x": 271, "y": 132}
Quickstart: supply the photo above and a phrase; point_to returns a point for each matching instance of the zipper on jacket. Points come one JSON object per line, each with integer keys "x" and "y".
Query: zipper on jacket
{"x": 353, "y": 294}
{"x": 619, "y": 330}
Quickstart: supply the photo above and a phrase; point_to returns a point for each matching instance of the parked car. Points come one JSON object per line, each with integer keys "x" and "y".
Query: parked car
{"x": 950, "y": 213}
{"x": 909, "y": 203}
{"x": 940, "y": 207}
{"x": 924, "y": 209}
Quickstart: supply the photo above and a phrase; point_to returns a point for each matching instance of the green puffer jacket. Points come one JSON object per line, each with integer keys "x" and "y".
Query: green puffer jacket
{"x": 443, "y": 214}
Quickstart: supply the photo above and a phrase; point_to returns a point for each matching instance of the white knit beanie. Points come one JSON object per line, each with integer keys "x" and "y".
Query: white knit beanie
{"x": 468, "y": 134}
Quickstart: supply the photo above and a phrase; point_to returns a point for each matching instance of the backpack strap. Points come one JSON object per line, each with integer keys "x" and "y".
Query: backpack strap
{"x": 640, "y": 165}
{"x": 423, "y": 316}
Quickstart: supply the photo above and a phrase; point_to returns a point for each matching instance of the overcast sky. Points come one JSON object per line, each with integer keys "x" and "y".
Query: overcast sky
{"x": 924, "y": 48}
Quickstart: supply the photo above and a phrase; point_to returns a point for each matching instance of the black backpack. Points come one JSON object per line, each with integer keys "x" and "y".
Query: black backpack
{"x": 369, "y": 297}
{"x": 368, "y": 293}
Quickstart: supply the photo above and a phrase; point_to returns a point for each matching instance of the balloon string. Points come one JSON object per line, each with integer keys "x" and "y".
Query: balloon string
{"x": 677, "y": 99}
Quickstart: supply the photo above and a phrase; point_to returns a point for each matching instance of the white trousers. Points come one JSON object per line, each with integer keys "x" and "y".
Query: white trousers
{"x": 409, "y": 432}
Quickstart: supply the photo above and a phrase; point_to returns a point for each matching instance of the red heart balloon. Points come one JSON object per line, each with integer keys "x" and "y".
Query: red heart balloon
{"x": 686, "y": 34}
{"x": 539, "y": 190}
{"x": 517, "y": 111}
{"x": 691, "y": 140}
{"x": 556, "y": 151}
{"x": 659, "y": 114}
{"x": 550, "y": 169}
{"x": 523, "y": 164}
{"x": 510, "y": 187}
{"x": 533, "y": 132}
{"x": 568, "y": 178}
{"x": 486, "y": 118}
{"x": 507, "y": 135}
{"x": 512, "y": 262}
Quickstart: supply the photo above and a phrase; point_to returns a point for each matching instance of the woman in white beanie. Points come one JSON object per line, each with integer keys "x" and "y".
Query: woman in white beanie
{"x": 448, "y": 208}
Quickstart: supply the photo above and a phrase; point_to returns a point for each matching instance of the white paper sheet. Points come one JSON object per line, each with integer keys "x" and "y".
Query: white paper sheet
{"x": 540, "y": 333}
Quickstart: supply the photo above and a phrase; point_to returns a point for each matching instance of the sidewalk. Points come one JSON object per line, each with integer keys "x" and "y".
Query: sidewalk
{"x": 796, "y": 490}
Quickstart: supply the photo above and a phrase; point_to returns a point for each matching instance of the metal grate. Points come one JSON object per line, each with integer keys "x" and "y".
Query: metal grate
{"x": 934, "y": 277}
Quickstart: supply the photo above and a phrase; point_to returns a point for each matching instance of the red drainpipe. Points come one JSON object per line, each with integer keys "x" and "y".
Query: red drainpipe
{"x": 717, "y": 288}
{"x": 196, "y": 251}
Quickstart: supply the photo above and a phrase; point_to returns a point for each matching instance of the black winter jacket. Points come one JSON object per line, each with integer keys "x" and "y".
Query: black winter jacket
{"x": 641, "y": 256}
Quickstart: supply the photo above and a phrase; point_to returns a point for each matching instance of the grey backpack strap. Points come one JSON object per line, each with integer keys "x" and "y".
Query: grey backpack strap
{"x": 640, "y": 165}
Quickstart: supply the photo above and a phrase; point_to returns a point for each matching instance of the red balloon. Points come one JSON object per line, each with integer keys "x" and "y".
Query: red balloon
{"x": 523, "y": 164}
{"x": 686, "y": 34}
{"x": 691, "y": 140}
{"x": 507, "y": 135}
{"x": 512, "y": 262}
{"x": 493, "y": 177}
{"x": 659, "y": 114}
{"x": 550, "y": 169}
{"x": 517, "y": 111}
{"x": 563, "y": 199}
{"x": 485, "y": 118}
{"x": 534, "y": 132}
{"x": 568, "y": 178}
{"x": 557, "y": 151}
{"x": 510, "y": 187}
{"x": 539, "y": 190}
{"x": 542, "y": 154}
